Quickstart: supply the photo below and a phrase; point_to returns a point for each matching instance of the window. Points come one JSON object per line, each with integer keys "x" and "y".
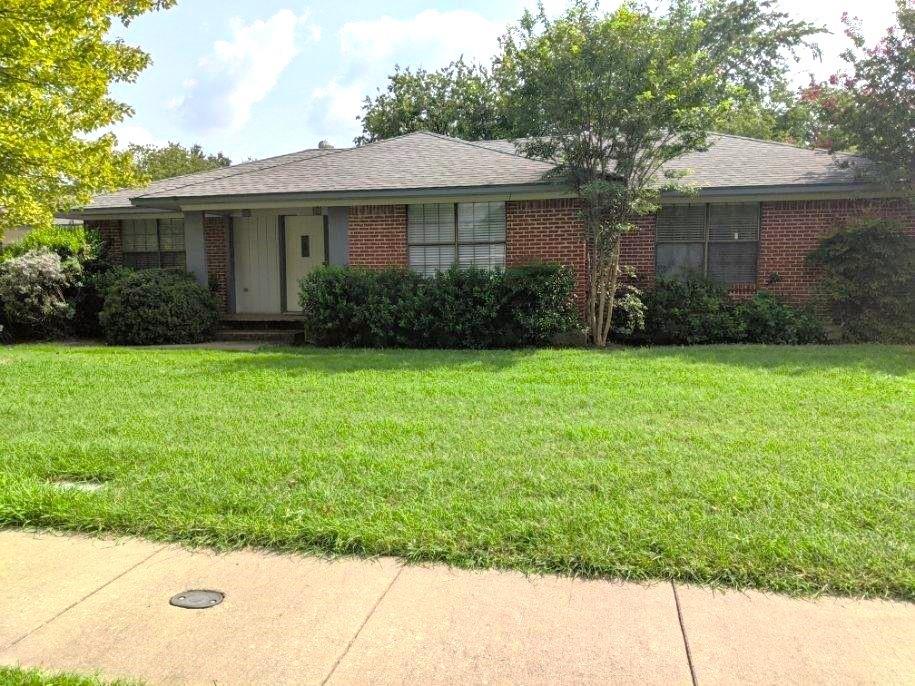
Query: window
{"x": 150, "y": 243}
{"x": 466, "y": 234}
{"x": 720, "y": 241}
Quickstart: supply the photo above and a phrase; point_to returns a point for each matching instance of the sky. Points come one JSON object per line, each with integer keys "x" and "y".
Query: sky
{"x": 256, "y": 79}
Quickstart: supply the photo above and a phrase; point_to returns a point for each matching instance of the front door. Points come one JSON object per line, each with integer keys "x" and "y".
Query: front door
{"x": 304, "y": 252}
{"x": 257, "y": 264}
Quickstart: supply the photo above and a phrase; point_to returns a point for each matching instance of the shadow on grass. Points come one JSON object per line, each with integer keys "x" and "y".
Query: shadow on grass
{"x": 306, "y": 360}
{"x": 792, "y": 360}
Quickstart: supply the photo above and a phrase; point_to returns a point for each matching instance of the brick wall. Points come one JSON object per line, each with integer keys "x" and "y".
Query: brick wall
{"x": 216, "y": 247}
{"x": 378, "y": 236}
{"x": 109, "y": 231}
{"x": 637, "y": 250}
{"x": 790, "y": 230}
{"x": 547, "y": 231}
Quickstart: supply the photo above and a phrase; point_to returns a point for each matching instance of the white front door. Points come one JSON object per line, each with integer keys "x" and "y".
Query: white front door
{"x": 257, "y": 264}
{"x": 304, "y": 252}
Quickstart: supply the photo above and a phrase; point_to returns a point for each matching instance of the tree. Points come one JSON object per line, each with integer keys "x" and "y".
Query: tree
{"x": 877, "y": 117}
{"x": 805, "y": 117}
{"x": 751, "y": 39}
{"x": 459, "y": 100}
{"x": 620, "y": 95}
{"x": 174, "y": 160}
{"x": 56, "y": 65}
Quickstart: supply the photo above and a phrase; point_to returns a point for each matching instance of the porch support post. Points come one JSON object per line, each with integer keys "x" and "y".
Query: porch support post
{"x": 195, "y": 246}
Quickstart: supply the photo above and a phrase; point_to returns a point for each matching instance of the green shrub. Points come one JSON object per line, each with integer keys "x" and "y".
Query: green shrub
{"x": 687, "y": 312}
{"x": 89, "y": 299}
{"x": 867, "y": 281}
{"x": 766, "y": 319}
{"x": 697, "y": 310}
{"x": 470, "y": 308}
{"x": 65, "y": 241}
{"x": 156, "y": 306}
{"x": 33, "y": 290}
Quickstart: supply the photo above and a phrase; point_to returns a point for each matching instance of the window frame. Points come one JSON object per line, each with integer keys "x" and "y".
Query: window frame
{"x": 455, "y": 242}
{"x": 707, "y": 241}
{"x": 158, "y": 251}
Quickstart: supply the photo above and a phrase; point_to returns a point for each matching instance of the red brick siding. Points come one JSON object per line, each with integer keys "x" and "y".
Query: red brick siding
{"x": 791, "y": 229}
{"x": 548, "y": 231}
{"x": 216, "y": 247}
{"x": 637, "y": 250}
{"x": 109, "y": 231}
{"x": 378, "y": 236}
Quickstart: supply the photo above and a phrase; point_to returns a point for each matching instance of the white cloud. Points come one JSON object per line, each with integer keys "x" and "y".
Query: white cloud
{"x": 241, "y": 71}
{"x": 334, "y": 108}
{"x": 438, "y": 37}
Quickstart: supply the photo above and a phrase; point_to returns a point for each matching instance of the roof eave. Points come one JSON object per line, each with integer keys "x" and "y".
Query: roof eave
{"x": 546, "y": 189}
{"x": 784, "y": 191}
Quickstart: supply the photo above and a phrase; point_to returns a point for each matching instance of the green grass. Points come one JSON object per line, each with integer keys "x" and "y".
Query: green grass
{"x": 15, "y": 676}
{"x": 789, "y": 469}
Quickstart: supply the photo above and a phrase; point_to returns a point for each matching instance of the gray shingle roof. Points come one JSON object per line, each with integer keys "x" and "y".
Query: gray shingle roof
{"x": 419, "y": 161}
{"x": 121, "y": 199}
{"x": 740, "y": 162}
{"x": 411, "y": 162}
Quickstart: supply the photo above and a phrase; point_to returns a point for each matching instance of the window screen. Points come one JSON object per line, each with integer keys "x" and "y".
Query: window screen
{"x": 468, "y": 235}
{"x": 720, "y": 241}
{"x": 151, "y": 243}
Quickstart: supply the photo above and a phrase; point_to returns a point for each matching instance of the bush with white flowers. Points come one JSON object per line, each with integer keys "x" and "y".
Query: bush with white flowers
{"x": 33, "y": 293}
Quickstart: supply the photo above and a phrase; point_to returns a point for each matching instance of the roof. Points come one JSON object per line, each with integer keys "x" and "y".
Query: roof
{"x": 421, "y": 162}
{"x": 741, "y": 162}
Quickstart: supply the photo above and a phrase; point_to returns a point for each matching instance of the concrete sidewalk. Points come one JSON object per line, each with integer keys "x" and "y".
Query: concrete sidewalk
{"x": 89, "y": 605}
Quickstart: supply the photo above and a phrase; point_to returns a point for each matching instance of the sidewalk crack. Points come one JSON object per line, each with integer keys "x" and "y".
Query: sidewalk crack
{"x": 85, "y": 597}
{"x": 689, "y": 654}
{"x": 361, "y": 627}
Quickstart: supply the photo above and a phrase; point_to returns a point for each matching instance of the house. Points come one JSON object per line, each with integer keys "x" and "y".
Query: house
{"x": 427, "y": 202}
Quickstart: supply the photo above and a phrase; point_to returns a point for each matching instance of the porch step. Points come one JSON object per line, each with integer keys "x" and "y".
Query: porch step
{"x": 275, "y": 336}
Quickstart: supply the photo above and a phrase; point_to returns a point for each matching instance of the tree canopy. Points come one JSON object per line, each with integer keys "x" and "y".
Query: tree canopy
{"x": 751, "y": 40}
{"x": 56, "y": 65}
{"x": 174, "y": 160}
{"x": 459, "y": 100}
{"x": 874, "y": 110}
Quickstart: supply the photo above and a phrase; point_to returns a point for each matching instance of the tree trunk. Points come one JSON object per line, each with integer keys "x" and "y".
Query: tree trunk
{"x": 602, "y": 296}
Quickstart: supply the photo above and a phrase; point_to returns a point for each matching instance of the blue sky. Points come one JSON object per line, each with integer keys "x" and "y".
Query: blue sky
{"x": 255, "y": 79}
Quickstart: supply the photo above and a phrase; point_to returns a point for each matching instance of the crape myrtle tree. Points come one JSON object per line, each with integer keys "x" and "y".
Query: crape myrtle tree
{"x": 56, "y": 65}
{"x": 620, "y": 95}
{"x": 875, "y": 113}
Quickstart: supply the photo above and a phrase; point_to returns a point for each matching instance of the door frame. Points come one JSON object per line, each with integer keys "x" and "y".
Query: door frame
{"x": 232, "y": 300}
{"x": 281, "y": 237}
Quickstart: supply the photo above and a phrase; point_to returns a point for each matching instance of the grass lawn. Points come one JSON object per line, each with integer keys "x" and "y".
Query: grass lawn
{"x": 15, "y": 676}
{"x": 791, "y": 469}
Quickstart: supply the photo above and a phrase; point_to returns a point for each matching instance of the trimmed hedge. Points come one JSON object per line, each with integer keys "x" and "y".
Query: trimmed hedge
{"x": 699, "y": 311}
{"x": 472, "y": 308}
{"x": 156, "y": 306}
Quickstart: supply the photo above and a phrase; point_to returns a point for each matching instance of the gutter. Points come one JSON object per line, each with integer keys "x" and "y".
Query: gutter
{"x": 354, "y": 197}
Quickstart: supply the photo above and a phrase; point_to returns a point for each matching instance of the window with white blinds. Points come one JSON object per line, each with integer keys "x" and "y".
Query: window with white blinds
{"x": 443, "y": 235}
{"x": 152, "y": 243}
{"x": 718, "y": 240}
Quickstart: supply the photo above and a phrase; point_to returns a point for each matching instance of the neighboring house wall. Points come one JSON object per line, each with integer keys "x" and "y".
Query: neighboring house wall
{"x": 378, "y": 236}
